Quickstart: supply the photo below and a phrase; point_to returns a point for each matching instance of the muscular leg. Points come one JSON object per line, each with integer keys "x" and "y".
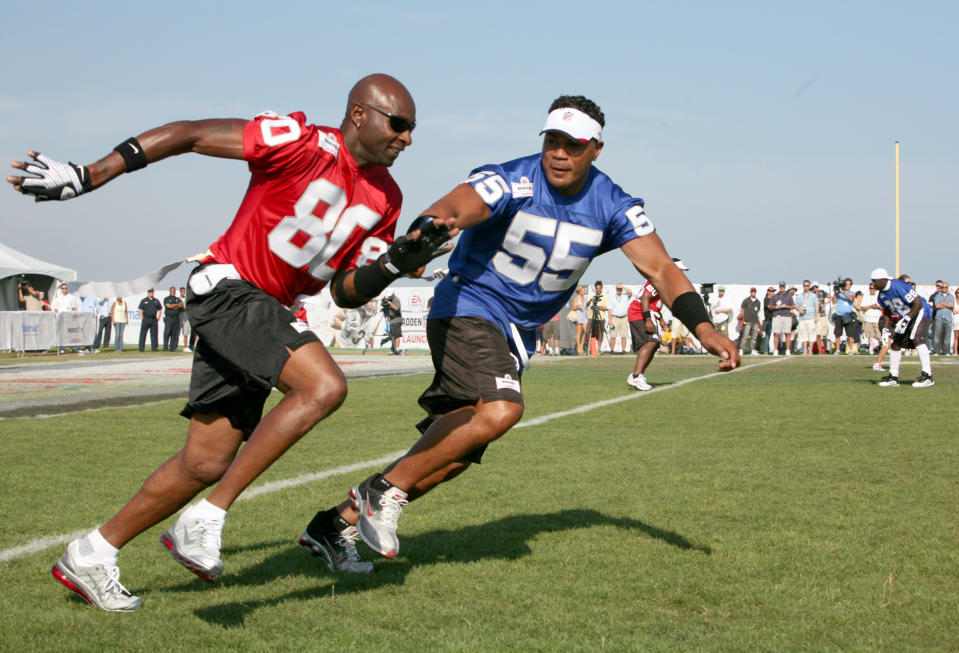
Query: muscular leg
{"x": 211, "y": 444}
{"x": 645, "y": 356}
{"x": 314, "y": 387}
{"x": 451, "y": 437}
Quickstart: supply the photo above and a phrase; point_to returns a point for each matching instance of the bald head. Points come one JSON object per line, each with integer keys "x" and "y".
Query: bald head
{"x": 376, "y": 105}
{"x": 379, "y": 89}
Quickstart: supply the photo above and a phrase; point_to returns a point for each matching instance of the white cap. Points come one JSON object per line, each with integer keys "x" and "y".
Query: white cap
{"x": 879, "y": 273}
{"x": 574, "y": 123}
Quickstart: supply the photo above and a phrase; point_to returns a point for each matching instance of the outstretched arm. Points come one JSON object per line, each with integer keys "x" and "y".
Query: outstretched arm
{"x": 649, "y": 256}
{"x": 49, "y": 179}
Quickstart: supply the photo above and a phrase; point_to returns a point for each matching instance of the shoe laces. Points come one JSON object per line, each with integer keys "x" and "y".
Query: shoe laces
{"x": 112, "y": 585}
{"x": 347, "y": 542}
{"x": 210, "y": 530}
{"x": 391, "y": 510}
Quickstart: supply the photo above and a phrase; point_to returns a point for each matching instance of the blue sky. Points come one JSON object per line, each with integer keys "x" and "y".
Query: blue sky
{"x": 761, "y": 135}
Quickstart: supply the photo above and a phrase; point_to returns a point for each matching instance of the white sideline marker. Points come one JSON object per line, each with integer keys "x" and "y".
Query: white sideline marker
{"x": 42, "y": 543}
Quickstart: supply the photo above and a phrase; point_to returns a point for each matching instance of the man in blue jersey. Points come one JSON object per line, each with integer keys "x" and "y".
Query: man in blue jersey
{"x": 530, "y": 227}
{"x": 899, "y": 299}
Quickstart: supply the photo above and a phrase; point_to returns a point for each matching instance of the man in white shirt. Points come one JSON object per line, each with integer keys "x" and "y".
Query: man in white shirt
{"x": 871, "y": 312}
{"x": 619, "y": 324}
{"x": 64, "y": 301}
{"x": 722, "y": 312}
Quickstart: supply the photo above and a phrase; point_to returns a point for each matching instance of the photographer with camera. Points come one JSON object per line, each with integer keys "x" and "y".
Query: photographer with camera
{"x": 392, "y": 309}
{"x": 597, "y": 308}
{"x": 29, "y": 298}
{"x": 844, "y": 314}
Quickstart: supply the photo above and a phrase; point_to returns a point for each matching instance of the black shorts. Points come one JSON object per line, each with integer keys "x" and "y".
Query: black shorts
{"x": 841, "y": 326}
{"x": 637, "y": 329}
{"x": 244, "y": 336}
{"x": 473, "y": 361}
{"x": 916, "y": 334}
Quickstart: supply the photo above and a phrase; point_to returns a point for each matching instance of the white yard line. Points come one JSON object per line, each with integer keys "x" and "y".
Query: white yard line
{"x": 41, "y": 543}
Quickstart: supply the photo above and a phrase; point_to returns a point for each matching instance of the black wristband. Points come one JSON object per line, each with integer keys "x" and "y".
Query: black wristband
{"x": 132, "y": 153}
{"x": 370, "y": 280}
{"x": 688, "y": 308}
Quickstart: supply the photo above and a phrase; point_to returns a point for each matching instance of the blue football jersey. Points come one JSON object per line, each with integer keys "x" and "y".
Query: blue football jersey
{"x": 521, "y": 265}
{"x": 899, "y": 298}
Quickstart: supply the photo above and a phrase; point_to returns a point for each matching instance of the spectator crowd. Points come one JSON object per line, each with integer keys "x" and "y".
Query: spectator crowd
{"x": 780, "y": 320}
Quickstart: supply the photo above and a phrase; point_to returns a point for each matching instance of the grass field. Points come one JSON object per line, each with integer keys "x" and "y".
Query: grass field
{"x": 788, "y": 506}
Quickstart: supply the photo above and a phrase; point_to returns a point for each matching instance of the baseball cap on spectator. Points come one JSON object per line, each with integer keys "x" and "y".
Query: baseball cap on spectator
{"x": 770, "y": 288}
{"x": 752, "y": 289}
{"x": 782, "y": 283}
{"x": 723, "y": 288}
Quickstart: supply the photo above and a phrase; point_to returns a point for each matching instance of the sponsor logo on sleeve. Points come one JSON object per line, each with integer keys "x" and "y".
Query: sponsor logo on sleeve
{"x": 329, "y": 143}
{"x": 522, "y": 188}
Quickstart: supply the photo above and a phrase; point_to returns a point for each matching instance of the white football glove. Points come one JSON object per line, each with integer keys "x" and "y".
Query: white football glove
{"x": 903, "y": 324}
{"x": 54, "y": 180}
{"x": 886, "y": 334}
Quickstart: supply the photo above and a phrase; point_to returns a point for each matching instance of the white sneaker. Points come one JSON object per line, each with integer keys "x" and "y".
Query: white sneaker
{"x": 195, "y": 544}
{"x": 925, "y": 381}
{"x": 754, "y": 353}
{"x": 889, "y": 381}
{"x": 775, "y": 352}
{"x": 639, "y": 382}
{"x": 789, "y": 353}
{"x": 188, "y": 350}
{"x": 379, "y": 509}
{"x": 96, "y": 583}
{"x": 878, "y": 367}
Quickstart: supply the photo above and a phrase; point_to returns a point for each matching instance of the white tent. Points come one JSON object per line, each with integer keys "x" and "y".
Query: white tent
{"x": 41, "y": 275}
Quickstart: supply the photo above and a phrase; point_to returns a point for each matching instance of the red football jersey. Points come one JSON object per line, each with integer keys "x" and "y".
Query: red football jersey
{"x": 635, "y": 310}
{"x": 309, "y": 210}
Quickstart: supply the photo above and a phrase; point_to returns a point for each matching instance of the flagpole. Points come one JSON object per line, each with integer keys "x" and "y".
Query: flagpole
{"x": 897, "y": 208}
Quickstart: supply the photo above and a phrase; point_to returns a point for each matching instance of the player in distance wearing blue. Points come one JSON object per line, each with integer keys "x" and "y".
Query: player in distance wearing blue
{"x": 899, "y": 299}
{"x": 530, "y": 227}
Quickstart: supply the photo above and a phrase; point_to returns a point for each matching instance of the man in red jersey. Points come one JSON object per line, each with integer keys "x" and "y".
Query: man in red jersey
{"x": 643, "y": 313}
{"x": 320, "y": 208}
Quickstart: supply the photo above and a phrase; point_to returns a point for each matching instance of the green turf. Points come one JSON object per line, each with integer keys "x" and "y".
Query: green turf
{"x": 791, "y": 506}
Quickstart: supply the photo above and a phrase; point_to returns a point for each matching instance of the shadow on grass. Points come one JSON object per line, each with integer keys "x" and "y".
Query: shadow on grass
{"x": 504, "y": 539}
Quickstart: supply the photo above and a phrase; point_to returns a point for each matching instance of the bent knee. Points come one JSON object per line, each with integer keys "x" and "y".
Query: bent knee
{"x": 324, "y": 397}
{"x": 501, "y": 416}
{"x": 206, "y": 471}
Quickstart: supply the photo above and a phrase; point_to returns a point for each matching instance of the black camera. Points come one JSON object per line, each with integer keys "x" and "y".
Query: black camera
{"x": 385, "y": 305}
{"x": 22, "y": 282}
{"x": 838, "y": 284}
{"x": 706, "y": 288}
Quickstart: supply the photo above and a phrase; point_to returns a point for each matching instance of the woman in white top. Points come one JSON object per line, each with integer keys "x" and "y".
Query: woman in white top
{"x": 118, "y": 315}
{"x": 579, "y": 305}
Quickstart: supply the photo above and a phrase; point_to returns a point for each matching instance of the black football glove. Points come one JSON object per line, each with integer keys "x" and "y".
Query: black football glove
{"x": 903, "y": 324}
{"x": 407, "y": 255}
{"x": 54, "y": 180}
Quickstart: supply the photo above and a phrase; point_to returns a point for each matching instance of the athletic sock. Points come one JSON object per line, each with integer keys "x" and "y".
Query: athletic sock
{"x": 924, "y": 360}
{"x": 206, "y": 510}
{"x": 895, "y": 357}
{"x": 327, "y": 521}
{"x": 94, "y": 548}
{"x": 380, "y": 484}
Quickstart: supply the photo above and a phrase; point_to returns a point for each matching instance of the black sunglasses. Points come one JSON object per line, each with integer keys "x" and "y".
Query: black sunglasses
{"x": 399, "y": 124}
